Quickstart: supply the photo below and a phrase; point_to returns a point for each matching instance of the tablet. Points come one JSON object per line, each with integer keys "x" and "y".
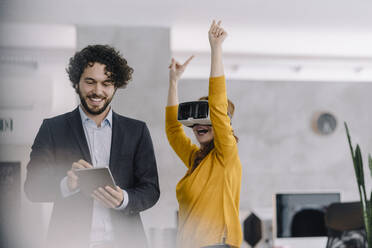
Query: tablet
{"x": 93, "y": 178}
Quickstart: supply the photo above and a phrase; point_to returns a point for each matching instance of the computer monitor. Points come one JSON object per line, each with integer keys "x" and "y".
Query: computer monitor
{"x": 299, "y": 218}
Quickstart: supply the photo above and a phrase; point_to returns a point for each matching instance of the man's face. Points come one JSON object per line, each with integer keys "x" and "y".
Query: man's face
{"x": 96, "y": 89}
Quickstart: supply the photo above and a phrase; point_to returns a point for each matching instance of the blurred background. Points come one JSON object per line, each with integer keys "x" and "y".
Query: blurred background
{"x": 296, "y": 70}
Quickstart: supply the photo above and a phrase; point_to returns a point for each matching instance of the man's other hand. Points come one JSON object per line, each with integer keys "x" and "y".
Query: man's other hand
{"x": 109, "y": 197}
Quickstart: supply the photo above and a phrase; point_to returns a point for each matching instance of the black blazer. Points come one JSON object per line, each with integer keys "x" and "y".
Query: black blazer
{"x": 60, "y": 142}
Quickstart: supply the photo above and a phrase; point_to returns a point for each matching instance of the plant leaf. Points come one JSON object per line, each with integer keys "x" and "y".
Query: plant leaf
{"x": 368, "y": 219}
{"x": 370, "y": 167}
{"x": 359, "y": 166}
{"x": 349, "y": 139}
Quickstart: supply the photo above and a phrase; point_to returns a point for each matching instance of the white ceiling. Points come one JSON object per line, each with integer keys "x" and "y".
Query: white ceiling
{"x": 326, "y": 39}
{"x": 285, "y": 14}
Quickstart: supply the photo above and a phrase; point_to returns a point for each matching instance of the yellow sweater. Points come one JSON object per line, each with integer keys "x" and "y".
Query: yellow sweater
{"x": 208, "y": 197}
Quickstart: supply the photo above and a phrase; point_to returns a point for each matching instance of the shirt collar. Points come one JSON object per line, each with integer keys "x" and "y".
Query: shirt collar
{"x": 106, "y": 121}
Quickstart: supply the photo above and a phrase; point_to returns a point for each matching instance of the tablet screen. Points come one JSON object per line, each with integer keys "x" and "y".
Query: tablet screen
{"x": 93, "y": 178}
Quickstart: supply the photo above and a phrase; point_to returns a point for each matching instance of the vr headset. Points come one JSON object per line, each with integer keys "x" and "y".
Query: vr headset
{"x": 192, "y": 113}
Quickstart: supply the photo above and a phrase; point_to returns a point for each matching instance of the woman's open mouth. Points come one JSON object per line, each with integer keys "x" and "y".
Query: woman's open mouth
{"x": 202, "y": 130}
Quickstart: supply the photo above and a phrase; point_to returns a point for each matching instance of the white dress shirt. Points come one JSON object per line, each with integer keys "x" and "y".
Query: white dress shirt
{"x": 99, "y": 143}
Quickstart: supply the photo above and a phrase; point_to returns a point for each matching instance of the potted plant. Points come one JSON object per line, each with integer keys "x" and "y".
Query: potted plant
{"x": 359, "y": 173}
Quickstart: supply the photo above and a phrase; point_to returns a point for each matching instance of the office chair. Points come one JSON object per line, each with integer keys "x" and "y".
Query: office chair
{"x": 344, "y": 222}
{"x": 308, "y": 223}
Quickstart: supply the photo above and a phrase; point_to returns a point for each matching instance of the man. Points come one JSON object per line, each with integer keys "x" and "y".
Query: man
{"x": 94, "y": 136}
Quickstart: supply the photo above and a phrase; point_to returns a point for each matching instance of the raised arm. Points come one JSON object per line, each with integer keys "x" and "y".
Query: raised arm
{"x": 216, "y": 37}
{"x": 224, "y": 139}
{"x": 177, "y": 138}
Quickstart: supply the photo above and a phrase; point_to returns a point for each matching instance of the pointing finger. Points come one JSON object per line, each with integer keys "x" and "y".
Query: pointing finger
{"x": 188, "y": 60}
{"x": 213, "y": 23}
{"x": 173, "y": 64}
{"x": 214, "y": 29}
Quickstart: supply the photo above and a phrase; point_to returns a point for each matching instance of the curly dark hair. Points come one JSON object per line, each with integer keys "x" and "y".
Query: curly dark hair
{"x": 116, "y": 66}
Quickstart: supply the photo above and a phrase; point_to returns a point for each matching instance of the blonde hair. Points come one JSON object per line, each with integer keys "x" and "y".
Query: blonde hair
{"x": 230, "y": 106}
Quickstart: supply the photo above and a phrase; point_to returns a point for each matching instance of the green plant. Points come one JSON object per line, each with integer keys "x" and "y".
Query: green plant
{"x": 359, "y": 173}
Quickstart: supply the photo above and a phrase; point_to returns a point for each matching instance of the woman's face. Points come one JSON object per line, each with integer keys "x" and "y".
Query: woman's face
{"x": 203, "y": 133}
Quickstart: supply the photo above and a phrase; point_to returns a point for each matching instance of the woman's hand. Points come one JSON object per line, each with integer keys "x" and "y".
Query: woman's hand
{"x": 175, "y": 72}
{"x": 176, "y": 69}
{"x": 216, "y": 34}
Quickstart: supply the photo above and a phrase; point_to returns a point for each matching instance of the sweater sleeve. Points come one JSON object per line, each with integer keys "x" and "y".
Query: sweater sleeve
{"x": 224, "y": 139}
{"x": 177, "y": 138}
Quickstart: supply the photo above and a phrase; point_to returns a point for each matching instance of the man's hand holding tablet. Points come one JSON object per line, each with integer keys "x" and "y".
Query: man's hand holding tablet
{"x": 95, "y": 182}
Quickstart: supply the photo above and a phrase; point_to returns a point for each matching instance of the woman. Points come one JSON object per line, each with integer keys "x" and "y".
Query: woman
{"x": 208, "y": 195}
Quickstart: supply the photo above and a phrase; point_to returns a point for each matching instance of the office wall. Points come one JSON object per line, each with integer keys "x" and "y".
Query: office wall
{"x": 279, "y": 150}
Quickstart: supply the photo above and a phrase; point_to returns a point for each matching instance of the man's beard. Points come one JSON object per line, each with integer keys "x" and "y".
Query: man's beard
{"x": 89, "y": 110}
